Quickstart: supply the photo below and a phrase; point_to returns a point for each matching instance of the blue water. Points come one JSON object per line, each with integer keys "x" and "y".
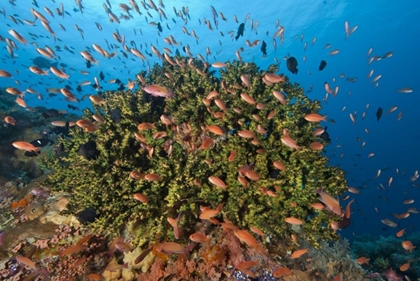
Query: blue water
{"x": 385, "y": 26}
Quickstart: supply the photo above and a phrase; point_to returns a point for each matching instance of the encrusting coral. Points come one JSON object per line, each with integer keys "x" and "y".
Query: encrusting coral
{"x": 171, "y": 152}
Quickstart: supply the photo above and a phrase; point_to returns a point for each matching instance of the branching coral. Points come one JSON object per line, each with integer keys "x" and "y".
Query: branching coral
{"x": 183, "y": 157}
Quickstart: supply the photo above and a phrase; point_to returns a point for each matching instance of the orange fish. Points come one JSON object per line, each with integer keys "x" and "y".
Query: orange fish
{"x": 288, "y": 141}
{"x": 217, "y": 182}
{"x": 210, "y": 213}
{"x": 199, "y": 237}
{"x": 59, "y": 73}
{"x": 246, "y": 134}
{"x": 246, "y": 265}
{"x": 6, "y": 74}
{"x": 27, "y": 262}
{"x": 170, "y": 247}
{"x": 10, "y": 120}
{"x": 400, "y": 233}
{"x": 331, "y": 203}
{"x": 257, "y": 231}
{"x": 23, "y": 145}
{"x": 141, "y": 197}
{"x": 18, "y": 37}
{"x": 405, "y": 266}
{"x": 232, "y": 156}
{"x": 316, "y": 146}
{"x": 363, "y": 260}
{"x": 152, "y": 177}
{"x": 247, "y": 238}
{"x": 298, "y": 253}
{"x": 293, "y": 221}
{"x": 282, "y": 271}
{"x": 174, "y": 224}
{"x": 407, "y": 245}
{"x": 247, "y": 98}
{"x": 318, "y": 206}
{"x": 20, "y": 102}
{"x": 87, "y": 125}
{"x": 348, "y": 211}
{"x": 314, "y": 117}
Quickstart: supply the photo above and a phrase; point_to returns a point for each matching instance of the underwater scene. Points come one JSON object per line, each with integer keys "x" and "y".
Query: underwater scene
{"x": 209, "y": 140}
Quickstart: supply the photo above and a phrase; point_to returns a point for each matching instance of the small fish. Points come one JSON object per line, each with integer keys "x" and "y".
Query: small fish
{"x": 379, "y": 113}
{"x": 405, "y": 90}
{"x": 240, "y": 31}
{"x": 298, "y": 253}
{"x": 292, "y": 65}
{"x": 331, "y": 203}
{"x": 322, "y": 65}
{"x": 26, "y": 146}
{"x": 389, "y": 223}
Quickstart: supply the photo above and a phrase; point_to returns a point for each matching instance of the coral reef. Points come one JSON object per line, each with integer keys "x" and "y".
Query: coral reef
{"x": 167, "y": 149}
{"x": 387, "y": 252}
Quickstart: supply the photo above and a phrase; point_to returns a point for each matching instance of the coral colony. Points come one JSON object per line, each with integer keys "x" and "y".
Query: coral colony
{"x": 193, "y": 177}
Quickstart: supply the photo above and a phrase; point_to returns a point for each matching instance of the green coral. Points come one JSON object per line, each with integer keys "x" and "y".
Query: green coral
{"x": 105, "y": 183}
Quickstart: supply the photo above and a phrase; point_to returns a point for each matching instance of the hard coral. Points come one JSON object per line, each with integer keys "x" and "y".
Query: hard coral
{"x": 176, "y": 155}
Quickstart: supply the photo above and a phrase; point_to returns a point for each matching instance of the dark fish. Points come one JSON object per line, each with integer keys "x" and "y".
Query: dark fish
{"x": 88, "y": 64}
{"x": 88, "y": 150}
{"x": 292, "y": 65}
{"x": 35, "y": 3}
{"x": 159, "y": 27}
{"x": 95, "y": 86}
{"x": 43, "y": 62}
{"x": 68, "y": 87}
{"x": 79, "y": 89}
{"x": 322, "y": 65}
{"x": 378, "y": 114}
{"x": 41, "y": 142}
{"x": 63, "y": 64}
{"x": 325, "y": 136}
{"x": 240, "y": 31}
{"x": 50, "y": 113}
{"x": 72, "y": 107}
{"x": 264, "y": 48}
{"x": 86, "y": 216}
{"x": 116, "y": 115}
{"x": 24, "y": 122}
{"x": 345, "y": 222}
{"x": 177, "y": 52}
{"x": 102, "y": 76}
